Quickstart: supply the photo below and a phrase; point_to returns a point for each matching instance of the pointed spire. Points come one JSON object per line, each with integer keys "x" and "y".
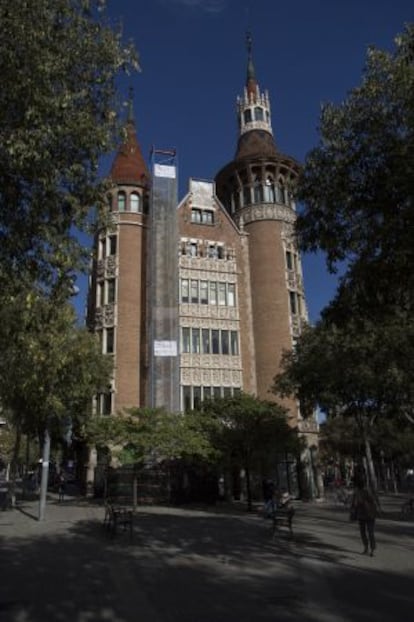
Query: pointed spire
{"x": 129, "y": 166}
{"x": 251, "y": 83}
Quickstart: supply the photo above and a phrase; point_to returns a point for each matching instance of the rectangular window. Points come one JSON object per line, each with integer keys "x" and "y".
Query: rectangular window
{"x": 231, "y": 294}
{"x": 102, "y": 248}
{"x": 110, "y": 291}
{"x": 213, "y": 293}
{"x": 112, "y": 245}
{"x": 194, "y": 292}
{"x": 195, "y": 338}
{"x": 106, "y": 403}
{"x": 205, "y": 338}
{"x": 195, "y": 215}
{"x": 226, "y": 391}
{"x": 193, "y": 249}
{"x": 222, "y": 294}
{"x": 293, "y": 306}
{"x": 184, "y": 290}
{"x": 215, "y": 342}
{"x": 225, "y": 342}
{"x": 289, "y": 262}
{"x": 206, "y": 393}
{"x": 185, "y": 340}
{"x": 234, "y": 343}
{"x": 110, "y": 342}
{"x": 217, "y": 392}
{"x": 212, "y": 251}
{"x": 204, "y": 292}
{"x": 100, "y": 295}
{"x": 187, "y": 398}
{"x": 207, "y": 217}
{"x": 196, "y": 397}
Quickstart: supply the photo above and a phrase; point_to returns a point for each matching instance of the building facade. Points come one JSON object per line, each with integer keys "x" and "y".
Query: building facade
{"x": 200, "y": 297}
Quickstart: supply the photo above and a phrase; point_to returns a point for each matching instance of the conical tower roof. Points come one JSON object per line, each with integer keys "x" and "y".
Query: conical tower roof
{"x": 129, "y": 165}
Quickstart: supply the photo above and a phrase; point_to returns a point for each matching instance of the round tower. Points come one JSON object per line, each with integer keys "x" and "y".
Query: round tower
{"x": 121, "y": 274}
{"x": 256, "y": 189}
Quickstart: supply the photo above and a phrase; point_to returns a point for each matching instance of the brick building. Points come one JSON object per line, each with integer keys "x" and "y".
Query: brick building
{"x": 199, "y": 297}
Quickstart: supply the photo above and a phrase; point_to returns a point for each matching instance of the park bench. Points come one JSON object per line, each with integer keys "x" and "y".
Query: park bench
{"x": 118, "y": 515}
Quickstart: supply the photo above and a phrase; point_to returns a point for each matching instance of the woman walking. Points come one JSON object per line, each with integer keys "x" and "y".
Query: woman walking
{"x": 364, "y": 509}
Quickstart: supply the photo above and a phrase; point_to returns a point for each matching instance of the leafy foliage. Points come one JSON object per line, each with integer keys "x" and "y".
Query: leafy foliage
{"x": 144, "y": 433}
{"x": 50, "y": 366}
{"x": 56, "y": 120}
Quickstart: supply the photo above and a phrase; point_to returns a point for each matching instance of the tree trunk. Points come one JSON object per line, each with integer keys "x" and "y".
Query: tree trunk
{"x": 14, "y": 460}
{"x": 248, "y": 489}
{"x": 372, "y": 478}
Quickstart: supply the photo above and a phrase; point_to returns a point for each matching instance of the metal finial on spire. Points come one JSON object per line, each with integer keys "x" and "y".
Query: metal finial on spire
{"x": 250, "y": 67}
{"x": 249, "y": 43}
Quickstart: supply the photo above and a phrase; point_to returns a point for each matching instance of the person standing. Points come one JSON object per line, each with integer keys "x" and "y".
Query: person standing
{"x": 364, "y": 509}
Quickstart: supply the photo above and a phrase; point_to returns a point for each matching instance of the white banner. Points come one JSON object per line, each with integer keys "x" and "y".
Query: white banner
{"x": 162, "y": 170}
{"x": 165, "y": 348}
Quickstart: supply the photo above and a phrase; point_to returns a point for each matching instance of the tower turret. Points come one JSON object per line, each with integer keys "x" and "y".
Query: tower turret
{"x": 255, "y": 188}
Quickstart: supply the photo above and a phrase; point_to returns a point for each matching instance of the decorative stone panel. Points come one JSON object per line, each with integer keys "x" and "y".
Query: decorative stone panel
{"x": 266, "y": 212}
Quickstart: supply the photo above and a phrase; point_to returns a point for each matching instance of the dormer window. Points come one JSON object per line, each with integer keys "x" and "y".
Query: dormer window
{"x": 201, "y": 216}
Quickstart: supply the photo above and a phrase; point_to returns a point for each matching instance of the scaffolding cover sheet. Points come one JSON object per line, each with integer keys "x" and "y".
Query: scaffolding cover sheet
{"x": 165, "y": 348}
{"x": 164, "y": 170}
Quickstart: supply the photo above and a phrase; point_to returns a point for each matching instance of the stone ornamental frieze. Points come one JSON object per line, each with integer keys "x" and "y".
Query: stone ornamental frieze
{"x": 204, "y": 264}
{"x": 215, "y": 377}
{"x": 209, "y": 361}
{"x": 266, "y": 212}
{"x": 208, "y": 315}
{"x": 111, "y": 266}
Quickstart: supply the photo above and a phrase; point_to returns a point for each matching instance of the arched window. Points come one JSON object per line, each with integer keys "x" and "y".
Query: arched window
{"x": 247, "y": 199}
{"x": 281, "y": 195}
{"x": 247, "y": 115}
{"x": 135, "y": 202}
{"x": 258, "y": 191}
{"x": 269, "y": 190}
{"x": 121, "y": 201}
{"x": 258, "y": 114}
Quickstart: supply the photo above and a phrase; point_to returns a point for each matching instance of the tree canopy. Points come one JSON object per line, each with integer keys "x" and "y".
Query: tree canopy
{"x": 58, "y": 115}
{"x": 357, "y": 185}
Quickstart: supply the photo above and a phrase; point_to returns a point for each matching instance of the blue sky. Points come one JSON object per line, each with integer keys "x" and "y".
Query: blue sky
{"x": 193, "y": 60}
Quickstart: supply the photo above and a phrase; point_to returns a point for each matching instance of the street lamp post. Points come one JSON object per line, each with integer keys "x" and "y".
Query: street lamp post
{"x": 45, "y": 474}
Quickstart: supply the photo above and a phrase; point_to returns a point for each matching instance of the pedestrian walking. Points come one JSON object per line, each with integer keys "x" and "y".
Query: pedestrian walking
{"x": 62, "y": 487}
{"x": 269, "y": 497}
{"x": 364, "y": 509}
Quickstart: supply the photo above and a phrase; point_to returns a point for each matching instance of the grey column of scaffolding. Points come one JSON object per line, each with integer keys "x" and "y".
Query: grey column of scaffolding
{"x": 163, "y": 284}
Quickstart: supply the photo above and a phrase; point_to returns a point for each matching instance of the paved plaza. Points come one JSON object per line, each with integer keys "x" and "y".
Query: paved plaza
{"x": 202, "y": 565}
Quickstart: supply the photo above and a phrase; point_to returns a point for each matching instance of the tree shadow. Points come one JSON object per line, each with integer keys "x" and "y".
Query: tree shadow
{"x": 181, "y": 566}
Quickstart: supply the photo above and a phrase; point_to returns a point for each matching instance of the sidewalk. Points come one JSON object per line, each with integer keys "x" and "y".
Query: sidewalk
{"x": 194, "y": 565}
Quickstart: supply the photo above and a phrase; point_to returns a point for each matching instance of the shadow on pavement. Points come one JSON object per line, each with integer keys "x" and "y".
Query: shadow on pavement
{"x": 185, "y": 566}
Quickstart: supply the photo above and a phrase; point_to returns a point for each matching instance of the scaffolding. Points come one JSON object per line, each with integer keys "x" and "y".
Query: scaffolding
{"x": 163, "y": 284}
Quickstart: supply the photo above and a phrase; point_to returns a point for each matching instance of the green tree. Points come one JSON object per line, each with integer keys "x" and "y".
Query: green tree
{"x": 247, "y": 433}
{"x": 56, "y": 120}
{"x": 50, "y": 368}
{"x": 142, "y": 433}
{"x": 357, "y": 185}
